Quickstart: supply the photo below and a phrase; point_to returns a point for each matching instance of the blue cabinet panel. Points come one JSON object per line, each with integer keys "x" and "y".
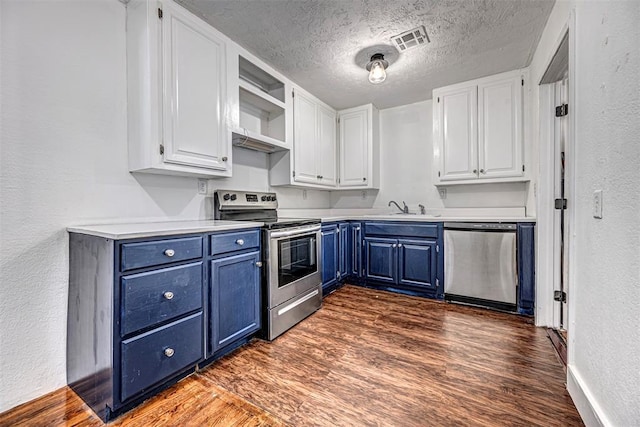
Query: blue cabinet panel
{"x": 526, "y": 268}
{"x": 381, "y": 259}
{"x": 159, "y": 252}
{"x": 329, "y": 255}
{"x": 159, "y": 295}
{"x": 235, "y": 298}
{"x": 355, "y": 250}
{"x": 344, "y": 260}
{"x": 153, "y": 356}
{"x": 228, "y": 242}
{"x": 417, "y": 262}
{"x": 407, "y": 229}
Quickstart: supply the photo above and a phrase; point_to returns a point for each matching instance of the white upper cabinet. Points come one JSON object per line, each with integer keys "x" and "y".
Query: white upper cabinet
{"x": 358, "y": 142}
{"x": 177, "y": 92}
{"x": 478, "y": 130}
{"x": 312, "y": 162}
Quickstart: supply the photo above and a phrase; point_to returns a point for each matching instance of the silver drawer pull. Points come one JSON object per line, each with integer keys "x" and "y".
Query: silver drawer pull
{"x": 168, "y": 295}
{"x": 169, "y": 352}
{"x": 169, "y": 252}
{"x": 240, "y": 242}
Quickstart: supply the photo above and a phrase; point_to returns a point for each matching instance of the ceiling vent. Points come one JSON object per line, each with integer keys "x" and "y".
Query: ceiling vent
{"x": 410, "y": 39}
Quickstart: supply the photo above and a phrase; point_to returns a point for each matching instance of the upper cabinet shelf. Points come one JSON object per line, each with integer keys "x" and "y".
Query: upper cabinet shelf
{"x": 252, "y": 76}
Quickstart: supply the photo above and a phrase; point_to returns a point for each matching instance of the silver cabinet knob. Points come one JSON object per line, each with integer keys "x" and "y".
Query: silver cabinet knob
{"x": 259, "y": 264}
{"x": 168, "y": 295}
{"x": 399, "y": 245}
{"x": 169, "y": 352}
{"x": 240, "y": 242}
{"x": 169, "y": 252}
{"x": 394, "y": 246}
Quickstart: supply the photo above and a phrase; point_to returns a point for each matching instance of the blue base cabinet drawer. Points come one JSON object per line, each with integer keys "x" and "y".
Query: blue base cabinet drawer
{"x": 147, "y": 254}
{"x": 157, "y": 354}
{"x": 160, "y": 295}
{"x": 229, "y": 242}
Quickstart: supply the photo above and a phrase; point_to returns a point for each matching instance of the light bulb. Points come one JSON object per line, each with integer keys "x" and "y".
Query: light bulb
{"x": 377, "y": 74}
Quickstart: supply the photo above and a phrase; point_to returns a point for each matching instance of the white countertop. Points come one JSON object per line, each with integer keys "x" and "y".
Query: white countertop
{"x": 427, "y": 218}
{"x": 165, "y": 228}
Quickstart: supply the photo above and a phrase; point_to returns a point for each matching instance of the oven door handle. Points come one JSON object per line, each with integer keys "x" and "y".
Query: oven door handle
{"x": 294, "y": 232}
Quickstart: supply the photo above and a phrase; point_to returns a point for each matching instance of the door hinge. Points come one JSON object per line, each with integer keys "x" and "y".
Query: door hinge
{"x": 161, "y": 149}
{"x": 560, "y": 203}
{"x": 562, "y": 110}
{"x": 560, "y": 296}
{"x": 159, "y": 13}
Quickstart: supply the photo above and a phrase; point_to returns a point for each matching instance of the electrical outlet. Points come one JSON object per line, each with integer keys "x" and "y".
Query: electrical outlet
{"x": 597, "y": 204}
{"x": 443, "y": 193}
{"x": 202, "y": 186}
{"x": 304, "y": 194}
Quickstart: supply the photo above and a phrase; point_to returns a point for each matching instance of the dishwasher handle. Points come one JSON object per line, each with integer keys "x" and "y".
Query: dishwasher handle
{"x": 480, "y": 226}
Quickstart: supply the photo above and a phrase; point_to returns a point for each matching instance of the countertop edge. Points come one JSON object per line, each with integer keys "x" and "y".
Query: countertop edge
{"x": 121, "y": 235}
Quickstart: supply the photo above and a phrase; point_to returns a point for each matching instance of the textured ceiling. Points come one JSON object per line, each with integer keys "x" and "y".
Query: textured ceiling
{"x": 323, "y": 45}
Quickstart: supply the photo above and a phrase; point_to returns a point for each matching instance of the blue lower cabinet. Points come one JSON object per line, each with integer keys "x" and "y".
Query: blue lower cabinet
{"x": 526, "y": 268}
{"x": 153, "y": 356}
{"x": 330, "y": 253}
{"x": 417, "y": 263}
{"x": 344, "y": 260}
{"x": 235, "y": 299}
{"x": 381, "y": 259}
{"x": 355, "y": 250}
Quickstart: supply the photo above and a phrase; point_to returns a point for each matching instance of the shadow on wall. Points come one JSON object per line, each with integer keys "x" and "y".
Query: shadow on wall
{"x": 172, "y": 194}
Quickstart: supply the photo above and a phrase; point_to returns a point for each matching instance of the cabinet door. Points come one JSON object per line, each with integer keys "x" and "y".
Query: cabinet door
{"x": 326, "y": 146}
{"x": 381, "y": 259}
{"x": 194, "y": 64}
{"x": 500, "y": 128}
{"x": 457, "y": 137}
{"x": 354, "y": 148}
{"x": 356, "y": 249}
{"x": 235, "y": 299}
{"x": 417, "y": 261}
{"x": 305, "y": 122}
{"x": 329, "y": 256}
{"x": 343, "y": 251}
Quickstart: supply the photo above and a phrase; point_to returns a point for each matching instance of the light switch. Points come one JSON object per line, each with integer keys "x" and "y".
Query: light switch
{"x": 597, "y": 204}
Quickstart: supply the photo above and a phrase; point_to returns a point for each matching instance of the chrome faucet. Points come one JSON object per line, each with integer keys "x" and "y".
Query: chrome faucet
{"x": 403, "y": 210}
{"x": 422, "y": 210}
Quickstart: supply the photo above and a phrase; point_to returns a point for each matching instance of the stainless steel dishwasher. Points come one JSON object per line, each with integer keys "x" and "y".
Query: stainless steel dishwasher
{"x": 480, "y": 265}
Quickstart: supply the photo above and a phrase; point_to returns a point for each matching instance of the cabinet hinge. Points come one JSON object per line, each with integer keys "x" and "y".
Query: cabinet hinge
{"x": 293, "y": 94}
{"x": 338, "y": 180}
{"x": 560, "y": 296}
{"x": 437, "y": 283}
{"x": 437, "y": 248}
{"x": 562, "y": 110}
{"x": 438, "y": 100}
{"x": 161, "y": 149}
{"x": 438, "y": 174}
{"x": 522, "y": 168}
{"x": 294, "y": 173}
{"x": 159, "y": 13}
{"x": 522, "y": 82}
{"x": 337, "y": 274}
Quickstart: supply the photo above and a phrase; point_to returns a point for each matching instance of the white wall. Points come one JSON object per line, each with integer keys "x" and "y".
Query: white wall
{"x": 406, "y": 152}
{"x": 604, "y": 299}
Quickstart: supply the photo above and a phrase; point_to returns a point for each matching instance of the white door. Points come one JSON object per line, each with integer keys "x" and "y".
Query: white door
{"x": 354, "y": 148}
{"x": 326, "y": 146}
{"x": 194, "y": 128}
{"x": 305, "y": 136}
{"x": 500, "y": 128}
{"x": 458, "y": 137}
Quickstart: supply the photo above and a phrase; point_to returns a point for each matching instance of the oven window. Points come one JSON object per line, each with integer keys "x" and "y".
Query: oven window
{"x": 296, "y": 258}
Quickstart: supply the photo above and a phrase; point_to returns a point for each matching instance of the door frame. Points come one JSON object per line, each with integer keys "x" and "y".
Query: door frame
{"x": 546, "y": 306}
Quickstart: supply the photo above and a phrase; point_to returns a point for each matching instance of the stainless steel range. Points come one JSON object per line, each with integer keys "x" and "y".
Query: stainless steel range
{"x": 291, "y": 253}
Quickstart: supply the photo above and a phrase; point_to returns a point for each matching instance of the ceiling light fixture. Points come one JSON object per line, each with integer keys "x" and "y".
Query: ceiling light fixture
{"x": 376, "y": 68}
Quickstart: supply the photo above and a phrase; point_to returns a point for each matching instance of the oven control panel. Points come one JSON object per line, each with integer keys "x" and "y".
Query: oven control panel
{"x": 233, "y": 199}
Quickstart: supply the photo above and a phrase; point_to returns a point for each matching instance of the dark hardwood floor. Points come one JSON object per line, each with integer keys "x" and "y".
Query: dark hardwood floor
{"x": 366, "y": 358}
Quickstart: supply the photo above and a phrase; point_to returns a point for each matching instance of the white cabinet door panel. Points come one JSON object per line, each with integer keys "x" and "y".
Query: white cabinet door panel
{"x": 458, "y": 138}
{"x": 499, "y": 129}
{"x": 305, "y": 137}
{"x": 195, "y": 82}
{"x": 326, "y": 146}
{"x": 354, "y": 143}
